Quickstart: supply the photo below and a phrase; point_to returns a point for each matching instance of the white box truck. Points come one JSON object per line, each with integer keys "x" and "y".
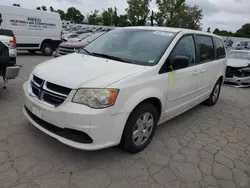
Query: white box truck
{"x": 35, "y": 30}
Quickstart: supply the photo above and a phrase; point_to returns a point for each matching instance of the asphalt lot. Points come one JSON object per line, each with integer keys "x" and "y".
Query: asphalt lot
{"x": 207, "y": 147}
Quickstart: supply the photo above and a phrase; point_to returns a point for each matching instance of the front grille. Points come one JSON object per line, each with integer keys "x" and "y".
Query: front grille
{"x": 60, "y": 89}
{"x": 65, "y": 50}
{"x": 37, "y": 80}
{"x": 70, "y": 134}
{"x": 237, "y": 72}
{"x": 48, "y": 92}
{"x": 232, "y": 71}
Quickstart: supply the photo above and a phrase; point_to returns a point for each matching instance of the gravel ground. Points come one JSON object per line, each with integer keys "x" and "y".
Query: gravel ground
{"x": 207, "y": 147}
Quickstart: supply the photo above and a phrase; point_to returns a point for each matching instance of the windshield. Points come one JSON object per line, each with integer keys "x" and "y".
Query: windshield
{"x": 239, "y": 55}
{"x": 137, "y": 46}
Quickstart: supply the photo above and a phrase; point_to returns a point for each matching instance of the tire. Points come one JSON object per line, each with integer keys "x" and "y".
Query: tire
{"x": 47, "y": 49}
{"x": 212, "y": 100}
{"x": 132, "y": 143}
{"x": 32, "y": 51}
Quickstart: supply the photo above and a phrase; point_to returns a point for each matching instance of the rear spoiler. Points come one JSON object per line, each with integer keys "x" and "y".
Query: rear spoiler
{"x": 7, "y": 32}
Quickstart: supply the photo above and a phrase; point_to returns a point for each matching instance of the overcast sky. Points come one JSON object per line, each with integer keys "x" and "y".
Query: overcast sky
{"x": 222, "y": 14}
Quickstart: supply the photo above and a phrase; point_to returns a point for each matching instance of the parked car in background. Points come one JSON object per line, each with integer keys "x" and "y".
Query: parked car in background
{"x": 126, "y": 83}
{"x": 79, "y": 37}
{"x": 34, "y": 30}
{"x": 67, "y": 36}
{"x": 75, "y": 36}
{"x": 8, "y": 53}
{"x": 238, "y": 68}
{"x": 71, "y": 47}
{"x": 243, "y": 45}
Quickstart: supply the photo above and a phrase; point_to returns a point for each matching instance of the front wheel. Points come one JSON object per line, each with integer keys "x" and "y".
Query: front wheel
{"x": 140, "y": 128}
{"x": 212, "y": 100}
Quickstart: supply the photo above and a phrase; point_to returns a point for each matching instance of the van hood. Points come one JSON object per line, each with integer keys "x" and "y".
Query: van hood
{"x": 237, "y": 62}
{"x": 77, "y": 70}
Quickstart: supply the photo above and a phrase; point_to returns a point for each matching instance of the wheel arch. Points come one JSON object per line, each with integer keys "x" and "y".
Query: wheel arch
{"x": 155, "y": 98}
{"x": 49, "y": 41}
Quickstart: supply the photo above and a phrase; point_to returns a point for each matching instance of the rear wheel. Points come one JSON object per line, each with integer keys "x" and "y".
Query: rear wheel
{"x": 47, "y": 49}
{"x": 212, "y": 100}
{"x": 140, "y": 128}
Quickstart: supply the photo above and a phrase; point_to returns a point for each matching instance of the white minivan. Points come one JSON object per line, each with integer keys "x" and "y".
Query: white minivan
{"x": 123, "y": 84}
{"x": 35, "y": 30}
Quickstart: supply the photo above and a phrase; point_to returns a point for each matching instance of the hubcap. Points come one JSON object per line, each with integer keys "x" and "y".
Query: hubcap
{"x": 143, "y": 128}
{"x": 48, "y": 50}
{"x": 216, "y": 92}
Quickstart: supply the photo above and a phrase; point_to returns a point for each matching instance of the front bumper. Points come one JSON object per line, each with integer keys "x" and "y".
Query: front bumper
{"x": 104, "y": 128}
{"x": 238, "y": 81}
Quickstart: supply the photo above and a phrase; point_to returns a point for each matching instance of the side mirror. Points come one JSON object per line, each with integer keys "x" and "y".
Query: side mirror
{"x": 180, "y": 62}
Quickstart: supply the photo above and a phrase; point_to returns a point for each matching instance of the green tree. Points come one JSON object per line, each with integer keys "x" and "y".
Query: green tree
{"x": 216, "y": 31}
{"x": 158, "y": 17}
{"x": 209, "y": 30}
{"x": 176, "y": 13}
{"x": 123, "y": 21}
{"x": 16, "y": 5}
{"x": 74, "y": 15}
{"x": 107, "y": 17}
{"x": 223, "y": 33}
{"x": 115, "y": 17}
{"x": 169, "y": 10}
{"x": 38, "y": 8}
{"x": 138, "y": 11}
{"x": 94, "y": 18}
{"x": 51, "y": 9}
{"x": 244, "y": 31}
{"x": 61, "y": 13}
{"x": 44, "y": 8}
{"x": 189, "y": 17}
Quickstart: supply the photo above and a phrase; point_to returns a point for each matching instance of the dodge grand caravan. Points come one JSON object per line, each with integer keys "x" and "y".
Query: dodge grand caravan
{"x": 124, "y": 84}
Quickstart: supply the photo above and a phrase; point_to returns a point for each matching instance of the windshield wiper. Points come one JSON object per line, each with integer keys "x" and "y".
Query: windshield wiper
{"x": 88, "y": 52}
{"x": 110, "y": 57}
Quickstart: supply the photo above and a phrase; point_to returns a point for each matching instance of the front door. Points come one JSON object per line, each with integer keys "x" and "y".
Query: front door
{"x": 183, "y": 83}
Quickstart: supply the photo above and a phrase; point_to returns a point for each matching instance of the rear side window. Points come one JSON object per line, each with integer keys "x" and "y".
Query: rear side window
{"x": 205, "y": 48}
{"x": 219, "y": 47}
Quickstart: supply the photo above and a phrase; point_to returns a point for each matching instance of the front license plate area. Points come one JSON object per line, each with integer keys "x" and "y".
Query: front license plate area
{"x": 36, "y": 111}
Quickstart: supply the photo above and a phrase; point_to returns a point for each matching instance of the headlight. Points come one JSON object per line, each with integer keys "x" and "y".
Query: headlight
{"x": 96, "y": 98}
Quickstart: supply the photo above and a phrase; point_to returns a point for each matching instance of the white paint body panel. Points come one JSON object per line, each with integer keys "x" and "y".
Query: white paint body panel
{"x": 28, "y": 33}
{"x": 136, "y": 83}
{"x": 5, "y": 39}
{"x": 237, "y": 62}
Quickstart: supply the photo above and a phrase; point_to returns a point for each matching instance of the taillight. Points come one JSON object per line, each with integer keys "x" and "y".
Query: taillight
{"x": 13, "y": 41}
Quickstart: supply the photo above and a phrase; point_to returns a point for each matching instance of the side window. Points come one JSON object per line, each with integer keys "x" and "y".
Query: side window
{"x": 219, "y": 47}
{"x": 206, "y": 48}
{"x": 185, "y": 47}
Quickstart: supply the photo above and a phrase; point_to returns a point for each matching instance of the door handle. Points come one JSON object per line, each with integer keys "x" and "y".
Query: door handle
{"x": 204, "y": 70}
{"x": 195, "y": 73}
